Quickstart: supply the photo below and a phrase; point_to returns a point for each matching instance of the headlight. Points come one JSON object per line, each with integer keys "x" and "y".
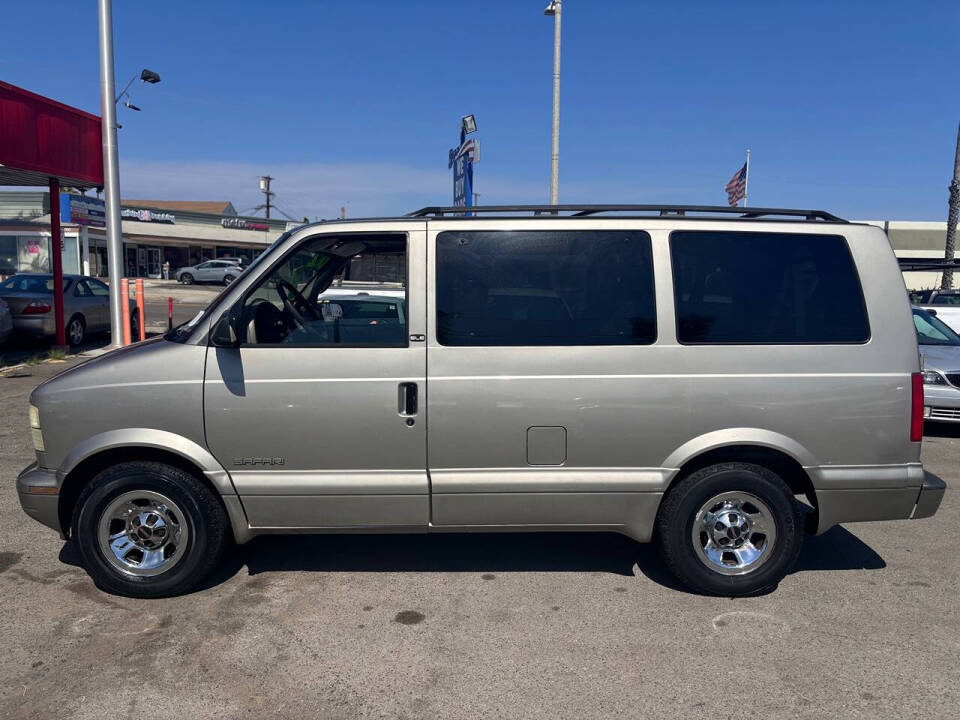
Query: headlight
{"x": 932, "y": 377}
{"x": 35, "y": 429}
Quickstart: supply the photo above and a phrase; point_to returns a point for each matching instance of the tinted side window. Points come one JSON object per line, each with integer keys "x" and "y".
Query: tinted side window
{"x": 946, "y": 300}
{"x": 295, "y": 304}
{"x": 774, "y": 288}
{"x": 98, "y": 288}
{"x": 562, "y": 287}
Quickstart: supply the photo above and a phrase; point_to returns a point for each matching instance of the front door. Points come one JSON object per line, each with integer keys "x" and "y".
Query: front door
{"x": 319, "y": 414}
{"x": 204, "y": 272}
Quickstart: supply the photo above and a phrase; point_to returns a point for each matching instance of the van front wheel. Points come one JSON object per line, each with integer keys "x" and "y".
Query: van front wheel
{"x": 730, "y": 529}
{"x": 146, "y": 529}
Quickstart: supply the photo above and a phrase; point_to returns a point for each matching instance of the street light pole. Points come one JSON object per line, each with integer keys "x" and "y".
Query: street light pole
{"x": 554, "y": 9}
{"x": 111, "y": 171}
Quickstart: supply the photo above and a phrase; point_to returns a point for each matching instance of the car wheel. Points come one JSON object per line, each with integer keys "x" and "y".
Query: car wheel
{"x": 146, "y": 529}
{"x": 186, "y": 279}
{"x": 730, "y": 529}
{"x": 76, "y": 330}
{"x": 227, "y": 279}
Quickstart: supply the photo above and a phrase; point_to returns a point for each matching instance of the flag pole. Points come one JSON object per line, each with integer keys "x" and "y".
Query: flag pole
{"x": 746, "y": 179}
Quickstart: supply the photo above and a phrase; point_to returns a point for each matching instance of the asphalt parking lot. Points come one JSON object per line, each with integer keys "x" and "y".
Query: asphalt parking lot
{"x": 486, "y": 626}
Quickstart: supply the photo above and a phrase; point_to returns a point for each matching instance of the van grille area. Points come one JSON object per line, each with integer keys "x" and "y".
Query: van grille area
{"x": 941, "y": 413}
{"x": 954, "y": 378}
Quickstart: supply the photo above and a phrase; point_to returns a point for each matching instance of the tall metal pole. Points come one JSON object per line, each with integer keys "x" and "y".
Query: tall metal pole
{"x": 56, "y": 256}
{"x": 946, "y": 282}
{"x": 111, "y": 171}
{"x": 555, "y": 149}
{"x": 746, "y": 179}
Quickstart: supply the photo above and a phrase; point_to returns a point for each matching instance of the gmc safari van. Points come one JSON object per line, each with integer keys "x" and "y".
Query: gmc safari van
{"x": 717, "y": 380}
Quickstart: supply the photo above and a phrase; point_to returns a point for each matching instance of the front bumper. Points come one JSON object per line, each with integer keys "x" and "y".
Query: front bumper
{"x": 40, "y": 496}
{"x": 941, "y": 403}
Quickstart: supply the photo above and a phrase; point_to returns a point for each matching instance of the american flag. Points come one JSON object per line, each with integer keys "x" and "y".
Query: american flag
{"x": 737, "y": 187}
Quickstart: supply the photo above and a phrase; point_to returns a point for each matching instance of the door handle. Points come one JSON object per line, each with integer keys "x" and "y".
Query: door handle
{"x": 407, "y": 398}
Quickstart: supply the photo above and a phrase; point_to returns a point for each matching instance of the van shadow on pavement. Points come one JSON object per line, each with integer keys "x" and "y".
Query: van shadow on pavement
{"x": 837, "y": 549}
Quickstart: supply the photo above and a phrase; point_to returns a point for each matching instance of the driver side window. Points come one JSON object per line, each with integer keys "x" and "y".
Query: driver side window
{"x": 339, "y": 290}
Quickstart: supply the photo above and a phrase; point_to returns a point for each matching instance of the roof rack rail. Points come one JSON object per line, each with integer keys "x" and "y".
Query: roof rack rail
{"x": 745, "y": 213}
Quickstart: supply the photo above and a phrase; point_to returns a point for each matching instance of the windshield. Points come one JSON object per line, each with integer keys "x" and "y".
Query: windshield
{"x": 182, "y": 331}
{"x": 931, "y": 331}
{"x": 31, "y": 283}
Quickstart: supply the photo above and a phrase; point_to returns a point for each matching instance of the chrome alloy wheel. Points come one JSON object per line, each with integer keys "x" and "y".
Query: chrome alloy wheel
{"x": 734, "y": 533}
{"x": 75, "y": 331}
{"x": 143, "y": 533}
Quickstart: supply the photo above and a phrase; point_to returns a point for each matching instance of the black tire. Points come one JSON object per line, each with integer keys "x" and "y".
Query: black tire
{"x": 186, "y": 279}
{"x": 682, "y": 503}
{"x": 202, "y": 514}
{"x": 76, "y": 330}
{"x": 227, "y": 279}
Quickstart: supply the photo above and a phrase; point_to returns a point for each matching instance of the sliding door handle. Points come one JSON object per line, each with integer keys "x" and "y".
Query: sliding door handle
{"x": 407, "y": 398}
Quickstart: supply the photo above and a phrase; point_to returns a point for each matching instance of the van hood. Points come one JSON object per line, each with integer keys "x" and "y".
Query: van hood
{"x": 941, "y": 357}
{"x": 106, "y": 363}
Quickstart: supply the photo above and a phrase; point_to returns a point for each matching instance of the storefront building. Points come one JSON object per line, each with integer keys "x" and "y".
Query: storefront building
{"x": 154, "y": 232}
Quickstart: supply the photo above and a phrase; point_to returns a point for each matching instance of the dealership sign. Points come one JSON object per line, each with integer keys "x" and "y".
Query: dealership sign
{"x": 461, "y": 159}
{"x": 241, "y": 224}
{"x": 148, "y": 216}
{"x": 82, "y": 210}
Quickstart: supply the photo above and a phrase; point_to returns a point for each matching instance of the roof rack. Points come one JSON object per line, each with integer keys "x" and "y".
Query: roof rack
{"x": 745, "y": 213}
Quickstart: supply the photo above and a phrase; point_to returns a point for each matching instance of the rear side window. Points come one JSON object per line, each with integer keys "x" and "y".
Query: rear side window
{"x": 766, "y": 288}
{"x": 563, "y": 287}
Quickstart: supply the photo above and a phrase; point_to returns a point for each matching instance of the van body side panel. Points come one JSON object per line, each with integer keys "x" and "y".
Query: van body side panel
{"x": 641, "y": 412}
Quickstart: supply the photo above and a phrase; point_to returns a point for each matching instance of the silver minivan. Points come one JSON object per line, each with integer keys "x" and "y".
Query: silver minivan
{"x": 717, "y": 380}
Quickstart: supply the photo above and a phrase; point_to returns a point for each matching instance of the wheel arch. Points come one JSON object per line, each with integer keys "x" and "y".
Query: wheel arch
{"x": 100, "y": 452}
{"x": 777, "y": 453}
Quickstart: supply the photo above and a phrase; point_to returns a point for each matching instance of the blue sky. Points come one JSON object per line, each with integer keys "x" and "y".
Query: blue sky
{"x": 845, "y": 104}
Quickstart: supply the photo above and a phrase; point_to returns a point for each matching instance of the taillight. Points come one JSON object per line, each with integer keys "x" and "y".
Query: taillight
{"x": 916, "y": 407}
{"x": 36, "y": 308}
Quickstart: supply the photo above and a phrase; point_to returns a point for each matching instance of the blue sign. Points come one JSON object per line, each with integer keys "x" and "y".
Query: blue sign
{"x": 82, "y": 210}
{"x": 462, "y": 181}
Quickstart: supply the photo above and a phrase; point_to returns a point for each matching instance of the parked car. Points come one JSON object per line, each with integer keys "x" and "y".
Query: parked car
{"x": 940, "y": 352}
{"x": 546, "y": 370}
{"x": 224, "y": 270}
{"x": 86, "y": 306}
{"x": 6, "y": 321}
{"x": 945, "y": 304}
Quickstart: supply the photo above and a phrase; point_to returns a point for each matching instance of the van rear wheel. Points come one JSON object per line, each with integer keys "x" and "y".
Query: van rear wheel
{"x": 730, "y": 529}
{"x": 146, "y": 529}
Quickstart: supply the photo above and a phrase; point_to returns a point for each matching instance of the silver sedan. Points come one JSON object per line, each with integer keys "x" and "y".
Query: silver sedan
{"x": 940, "y": 350}
{"x": 86, "y": 305}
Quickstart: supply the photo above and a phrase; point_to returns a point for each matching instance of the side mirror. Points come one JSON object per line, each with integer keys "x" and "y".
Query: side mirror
{"x": 224, "y": 332}
{"x": 932, "y": 312}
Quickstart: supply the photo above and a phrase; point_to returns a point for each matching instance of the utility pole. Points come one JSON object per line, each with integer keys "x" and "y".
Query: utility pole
{"x": 265, "y": 189}
{"x": 111, "y": 171}
{"x": 554, "y": 9}
{"x": 950, "y": 248}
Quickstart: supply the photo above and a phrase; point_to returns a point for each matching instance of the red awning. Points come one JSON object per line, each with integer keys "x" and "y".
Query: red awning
{"x": 41, "y": 139}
